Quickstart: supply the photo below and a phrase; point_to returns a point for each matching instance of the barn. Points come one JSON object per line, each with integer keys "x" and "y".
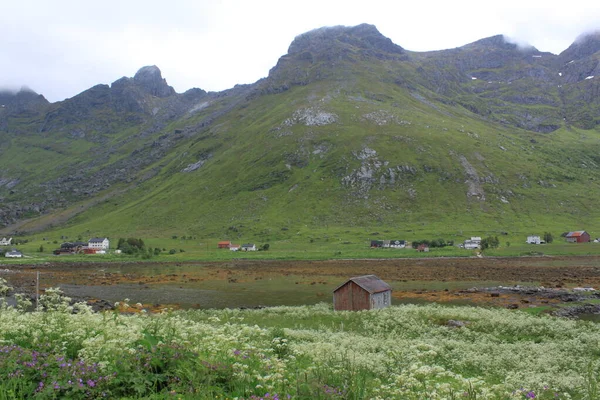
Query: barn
{"x": 578, "y": 237}
{"x": 362, "y": 293}
{"x": 224, "y": 244}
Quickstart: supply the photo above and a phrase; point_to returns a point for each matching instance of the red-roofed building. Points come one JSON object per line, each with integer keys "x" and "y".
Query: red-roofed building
{"x": 362, "y": 293}
{"x": 224, "y": 244}
{"x": 578, "y": 237}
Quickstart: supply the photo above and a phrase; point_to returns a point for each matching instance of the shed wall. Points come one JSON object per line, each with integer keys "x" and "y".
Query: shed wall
{"x": 351, "y": 297}
{"x": 381, "y": 299}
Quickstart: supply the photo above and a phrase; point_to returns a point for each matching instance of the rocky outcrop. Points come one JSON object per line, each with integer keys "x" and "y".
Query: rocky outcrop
{"x": 150, "y": 79}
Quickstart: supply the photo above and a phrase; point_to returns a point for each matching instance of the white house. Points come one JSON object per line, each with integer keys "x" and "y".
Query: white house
{"x": 476, "y": 239}
{"x": 533, "y": 240}
{"x": 5, "y": 242}
{"x": 471, "y": 244}
{"x": 248, "y": 247}
{"x": 98, "y": 243}
{"x": 234, "y": 247}
{"x": 13, "y": 254}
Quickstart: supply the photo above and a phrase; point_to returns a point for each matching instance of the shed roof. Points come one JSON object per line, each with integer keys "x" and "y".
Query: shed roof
{"x": 370, "y": 283}
{"x": 97, "y": 240}
{"x": 575, "y": 233}
{"x": 225, "y": 242}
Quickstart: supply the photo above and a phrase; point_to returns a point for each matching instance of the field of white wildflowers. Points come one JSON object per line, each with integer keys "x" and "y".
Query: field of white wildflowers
{"x": 312, "y": 352}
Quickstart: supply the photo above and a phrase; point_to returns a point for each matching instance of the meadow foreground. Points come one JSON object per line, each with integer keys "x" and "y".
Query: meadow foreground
{"x": 308, "y": 352}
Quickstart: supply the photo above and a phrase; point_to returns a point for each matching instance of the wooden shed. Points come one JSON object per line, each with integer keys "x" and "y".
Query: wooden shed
{"x": 578, "y": 237}
{"x": 362, "y": 293}
{"x": 224, "y": 244}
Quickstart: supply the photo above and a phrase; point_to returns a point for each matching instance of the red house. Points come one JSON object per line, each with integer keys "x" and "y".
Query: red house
{"x": 578, "y": 237}
{"x": 423, "y": 247}
{"x": 362, "y": 293}
{"x": 224, "y": 244}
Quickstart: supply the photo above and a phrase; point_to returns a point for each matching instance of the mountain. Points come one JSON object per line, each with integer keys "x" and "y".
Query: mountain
{"x": 348, "y": 132}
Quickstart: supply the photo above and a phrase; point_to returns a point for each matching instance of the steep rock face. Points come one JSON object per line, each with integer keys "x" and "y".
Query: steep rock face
{"x": 498, "y": 80}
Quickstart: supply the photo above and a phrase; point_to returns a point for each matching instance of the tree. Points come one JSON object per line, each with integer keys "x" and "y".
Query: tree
{"x": 548, "y": 237}
{"x": 41, "y": 249}
{"x": 490, "y": 242}
{"x": 266, "y": 246}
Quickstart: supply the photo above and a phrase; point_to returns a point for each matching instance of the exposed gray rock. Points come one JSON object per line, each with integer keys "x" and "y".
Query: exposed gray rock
{"x": 311, "y": 116}
{"x": 9, "y": 183}
{"x": 382, "y": 117}
{"x": 197, "y": 164}
{"x": 475, "y": 189}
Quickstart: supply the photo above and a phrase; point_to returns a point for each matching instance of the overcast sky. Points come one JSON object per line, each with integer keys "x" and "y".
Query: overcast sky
{"x": 60, "y": 48}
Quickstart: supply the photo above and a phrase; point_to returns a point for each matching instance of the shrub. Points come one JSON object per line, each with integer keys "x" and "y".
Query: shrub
{"x": 172, "y": 251}
{"x": 490, "y": 242}
{"x": 131, "y": 245}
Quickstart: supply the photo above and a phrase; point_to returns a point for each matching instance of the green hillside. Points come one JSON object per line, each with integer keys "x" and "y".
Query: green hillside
{"x": 349, "y": 133}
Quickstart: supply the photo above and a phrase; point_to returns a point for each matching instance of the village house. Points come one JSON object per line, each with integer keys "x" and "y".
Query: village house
{"x": 362, "y": 293}
{"x": 234, "y": 247}
{"x": 71, "y": 247}
{"x": 423, "y": 247}
{"x": 13, "y": 254}
{"x": 248, "y": 247}
{"x": 534, "y": 240}
{"x": 470, "y": 245}
{"x": 397, "y": 244}
{"x": 5, "y": 242}
{"x": 98, "y": 244}
{"x": 578, "y": 237}
{"x": 224, "y": 244}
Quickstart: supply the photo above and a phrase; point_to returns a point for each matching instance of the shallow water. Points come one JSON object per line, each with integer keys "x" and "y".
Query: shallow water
{"x": 191, "y": 297}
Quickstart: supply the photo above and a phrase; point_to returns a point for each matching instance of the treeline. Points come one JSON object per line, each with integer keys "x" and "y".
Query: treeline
{"x": 137, "y": 247}
{"x": 432, "y": 243}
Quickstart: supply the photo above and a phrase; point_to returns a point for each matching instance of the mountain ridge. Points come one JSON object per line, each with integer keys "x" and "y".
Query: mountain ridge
{"x": 347, "y": 129}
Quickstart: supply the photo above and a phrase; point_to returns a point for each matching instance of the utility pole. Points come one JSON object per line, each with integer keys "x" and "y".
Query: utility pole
{"x": 37, "y": 291}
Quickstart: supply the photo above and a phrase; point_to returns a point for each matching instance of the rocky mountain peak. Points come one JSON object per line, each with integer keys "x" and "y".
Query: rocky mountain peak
{"x": 150, "y": 78}
{"x": 363, "y": 36}
{"x": 25, "y": 98}
{"x": 500, "y": 42}
{"x": 584, "y": 46}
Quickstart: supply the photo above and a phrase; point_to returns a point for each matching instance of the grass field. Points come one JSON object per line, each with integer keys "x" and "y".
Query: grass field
{"x": 324, "y": 247}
